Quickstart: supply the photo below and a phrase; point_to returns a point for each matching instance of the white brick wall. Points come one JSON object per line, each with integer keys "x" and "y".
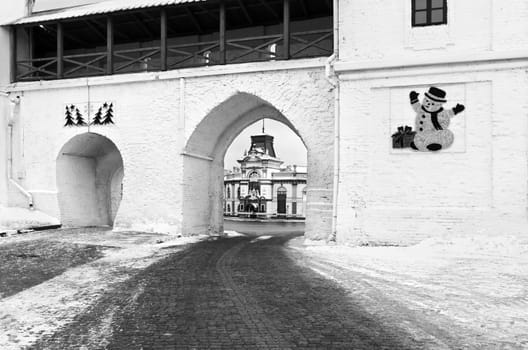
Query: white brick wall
{"x": 381, "y": 30}
{"x": 164, "y": 190}
{"x": 401, "y": 196}
{"x": 480, "y": 183}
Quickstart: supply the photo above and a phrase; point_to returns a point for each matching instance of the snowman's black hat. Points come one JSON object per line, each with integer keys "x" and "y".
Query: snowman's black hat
{"x": 436, "y": 94}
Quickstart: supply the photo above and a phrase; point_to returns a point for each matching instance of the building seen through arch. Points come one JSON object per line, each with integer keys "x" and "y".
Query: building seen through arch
{"x": 263, "y": 187}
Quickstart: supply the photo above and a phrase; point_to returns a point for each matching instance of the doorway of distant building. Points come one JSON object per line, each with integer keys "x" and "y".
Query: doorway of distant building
{"x": 90, "y": 174}
{"x": 282, "y": 195}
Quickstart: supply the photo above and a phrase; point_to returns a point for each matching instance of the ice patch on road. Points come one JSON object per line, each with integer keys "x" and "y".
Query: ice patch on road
{"x": 174, "y": 242}
{"x": 261, "y": 238}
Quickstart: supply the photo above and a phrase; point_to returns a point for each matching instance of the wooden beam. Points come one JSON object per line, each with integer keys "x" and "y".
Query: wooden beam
{"x": 194, "y": 20}
{"x": 245, "y": 12}
{"x": 109, "y": 45}
{"x": 270, "y": 9}
{"x": 96, "y": 30}
{"x": 329, "y": 4}
{"x": 303, "y": 8}
{"x": 31, "y": 39}
{"x": 60, "y": 51}
{"x": 222, "y": 32}
{"x": 170, "y": 27}
{"x": 142, "y": 25}
{"x": 208, "y": 13}
{"x": 53, "y": 30}
{"x": 13, "y": 57}
{"x": 286, "y": 29}
{"x": 163, "y": 39}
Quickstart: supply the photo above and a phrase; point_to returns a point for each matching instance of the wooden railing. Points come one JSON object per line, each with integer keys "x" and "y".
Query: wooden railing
{"x": 36, "y": 69}
{"x": 136, "y": 60}
{"x": 312, "y": 43}
{"x": 193, "y": 54}
{"x": 85, "y": 64}
{"x": 258, "y": 48}
{"x": 250, "y": 49}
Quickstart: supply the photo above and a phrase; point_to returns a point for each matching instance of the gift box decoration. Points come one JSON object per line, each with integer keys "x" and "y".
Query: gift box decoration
{"x": 403, "y": 137}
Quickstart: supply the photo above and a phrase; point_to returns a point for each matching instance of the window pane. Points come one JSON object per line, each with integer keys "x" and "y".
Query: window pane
{"x": 438, "y": 3}
{"x": 420, "y": 17}
{"x": 437, "y": 16}
{"x": 420, "y": 4}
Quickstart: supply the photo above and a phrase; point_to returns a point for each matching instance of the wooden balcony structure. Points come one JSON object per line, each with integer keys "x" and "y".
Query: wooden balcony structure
{"x": 178, "y": 36}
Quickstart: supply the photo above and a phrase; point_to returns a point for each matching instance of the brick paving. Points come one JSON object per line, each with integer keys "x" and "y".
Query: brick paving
{"x": 261, "y": 292}
{"x": 41, "y": 309}
{"x": 236, "y": 293}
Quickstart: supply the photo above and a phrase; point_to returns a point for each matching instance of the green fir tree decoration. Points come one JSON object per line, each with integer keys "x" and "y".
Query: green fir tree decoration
{"x": 109, "y": 114}
{"x": 98, "y": 118}
{"x": 69, "y": 118}
{"x": 80, "y": 119}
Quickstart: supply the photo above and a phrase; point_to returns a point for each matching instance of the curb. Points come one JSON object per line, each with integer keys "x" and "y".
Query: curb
{"x": 9, "y": 233}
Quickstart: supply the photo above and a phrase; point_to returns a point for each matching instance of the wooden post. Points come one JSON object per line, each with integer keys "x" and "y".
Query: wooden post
{"x": 109, "y": 45}
{"x": 286, "y": 29}
{"x": 163, "y": 40}
{"x": 222, "y": 32}
{"x": 13, "y": 46}
{"x": 31, "y": 40}
{"x": 60, "y": 51}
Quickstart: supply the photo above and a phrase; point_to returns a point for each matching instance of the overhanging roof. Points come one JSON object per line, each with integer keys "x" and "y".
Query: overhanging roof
{"x": 97, "y": 9}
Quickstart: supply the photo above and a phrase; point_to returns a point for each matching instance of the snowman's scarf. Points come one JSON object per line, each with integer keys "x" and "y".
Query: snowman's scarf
{"x": 434, "y": 118}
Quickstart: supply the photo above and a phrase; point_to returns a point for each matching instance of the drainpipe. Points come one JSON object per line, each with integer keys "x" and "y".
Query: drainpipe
{"x": 10, "y": 121}
{"x": 333, "y": 79}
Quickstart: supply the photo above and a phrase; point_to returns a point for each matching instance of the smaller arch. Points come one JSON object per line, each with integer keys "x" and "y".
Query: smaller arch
{"x": 90, "y": 174}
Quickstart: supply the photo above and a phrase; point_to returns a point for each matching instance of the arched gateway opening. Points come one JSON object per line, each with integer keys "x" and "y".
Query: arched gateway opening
{"x": 203, "y": 190}
{"x": 89, "y": 181}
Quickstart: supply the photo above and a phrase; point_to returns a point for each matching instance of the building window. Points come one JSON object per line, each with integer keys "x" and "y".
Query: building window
{"x": 228, "y": 208}
{"x": 228, "y": 192}
{"x": 429, "y": 12}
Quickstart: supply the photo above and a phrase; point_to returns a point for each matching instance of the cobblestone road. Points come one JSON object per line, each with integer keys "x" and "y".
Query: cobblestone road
{"x": 229, "y": 293}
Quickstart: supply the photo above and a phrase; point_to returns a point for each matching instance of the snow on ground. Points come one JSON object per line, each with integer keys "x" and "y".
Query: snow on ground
{"x": 21, "y": 218}
{"x": 474, "y": 283}
{"x": 230, "y": 234}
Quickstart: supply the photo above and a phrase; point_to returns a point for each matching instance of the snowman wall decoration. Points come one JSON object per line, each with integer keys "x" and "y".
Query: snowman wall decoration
{"x": 432, "y": 121}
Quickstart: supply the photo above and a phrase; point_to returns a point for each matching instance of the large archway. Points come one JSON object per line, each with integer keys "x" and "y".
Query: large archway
{"x": 89, "y": 181}
{"x": 204, "y": 159}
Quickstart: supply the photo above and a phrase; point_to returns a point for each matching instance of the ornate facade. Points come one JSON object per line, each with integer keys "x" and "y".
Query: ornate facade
{"x": 262, "y": 187}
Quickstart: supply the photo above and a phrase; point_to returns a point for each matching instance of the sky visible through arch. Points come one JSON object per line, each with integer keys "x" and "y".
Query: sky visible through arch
{"x": 288, "y": 146}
